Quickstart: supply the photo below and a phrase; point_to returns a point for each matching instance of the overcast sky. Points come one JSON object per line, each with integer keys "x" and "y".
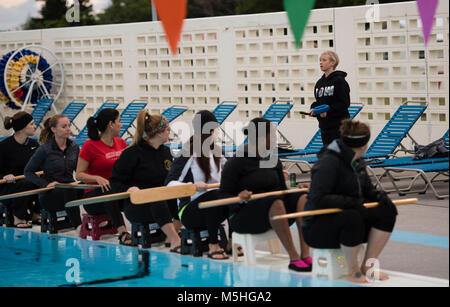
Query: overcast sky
{"x": 14, "y": 13}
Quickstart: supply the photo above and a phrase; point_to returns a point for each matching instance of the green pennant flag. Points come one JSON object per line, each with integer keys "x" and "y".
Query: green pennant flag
{"x": 298, "y": 14}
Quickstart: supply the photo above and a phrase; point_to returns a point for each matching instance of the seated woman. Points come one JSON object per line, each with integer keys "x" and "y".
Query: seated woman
{"x": 57, "y": 158}
{"x": 255, "y": 170}
{"x": 15, "y": 152}
{"x": 97, "y": 157}
{"x": 340, "y": 180}
{"x": 145, "y": 164}
{"x": 201, "y": 163}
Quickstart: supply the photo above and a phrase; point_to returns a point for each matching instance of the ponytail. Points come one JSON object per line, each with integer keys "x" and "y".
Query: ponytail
{"x": 92, "y": 129}
{"x": 146, "y": 126}
{"x": 8, "y": 122}
{"x": 99, "y": 124}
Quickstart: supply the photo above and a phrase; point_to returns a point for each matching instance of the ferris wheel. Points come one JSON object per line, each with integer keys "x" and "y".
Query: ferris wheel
{"x": 28, "y": 75}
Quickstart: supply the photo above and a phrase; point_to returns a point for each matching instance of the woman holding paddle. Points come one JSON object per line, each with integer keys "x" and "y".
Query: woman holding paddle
{"x": 57, "y": 157}
{"x": 95, "y": 162}
{"x": 15, "y": 152}
{"x": 248, "y": 174}
{"x": 340, "y": 180}
{"x": 145, "y": 164}
{"x": 201, "y": 163}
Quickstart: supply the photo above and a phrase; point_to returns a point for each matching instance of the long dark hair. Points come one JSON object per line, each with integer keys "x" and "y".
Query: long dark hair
{"x": 98, "y": 125}
{"x": 202, "y": 160}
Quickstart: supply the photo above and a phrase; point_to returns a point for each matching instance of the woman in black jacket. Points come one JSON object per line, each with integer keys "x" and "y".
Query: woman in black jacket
{"x": 145, "y": 164}
{"x": 15, "y": 152}
{"x": 334, "y": 91}
{"x": 256, "y": 169}
{"x": 57, "y": 157}
{"x": 340, "y": 180}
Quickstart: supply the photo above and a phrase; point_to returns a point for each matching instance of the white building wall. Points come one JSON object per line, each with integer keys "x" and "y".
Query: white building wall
{"x": 253, "y": 60}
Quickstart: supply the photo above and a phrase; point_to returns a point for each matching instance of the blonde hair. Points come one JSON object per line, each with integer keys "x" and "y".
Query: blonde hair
{"x": 145, "y": 124}
{"x": 47, "y": 133}
{"x": 333, "y": 57}
{"x": 354, "y": 128}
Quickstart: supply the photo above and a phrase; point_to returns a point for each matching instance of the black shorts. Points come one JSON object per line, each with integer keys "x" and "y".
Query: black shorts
{"x": 253, "y": 217}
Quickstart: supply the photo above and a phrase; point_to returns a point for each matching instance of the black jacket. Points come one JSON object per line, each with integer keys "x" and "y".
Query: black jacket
{"x": 245, "y": 173}
{"x": 57, "y": 165}
{"x": 14, "y": 156}
{"x": 142, "y": 166}
{"x": 335, "y": 92}
{"x": 336, "y": 182}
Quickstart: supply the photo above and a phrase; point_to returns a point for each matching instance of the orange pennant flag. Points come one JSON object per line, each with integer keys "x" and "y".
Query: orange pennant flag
{"x": 172, "y": 14}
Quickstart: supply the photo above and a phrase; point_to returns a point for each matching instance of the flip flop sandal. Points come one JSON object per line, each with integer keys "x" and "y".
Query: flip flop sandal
{"x": 125, "y": 236}
{"x": 25, "y": 225}
{"x": 239, "y": 249}
{"x": 219, "y": 252}
{"x": 176, "y": 249}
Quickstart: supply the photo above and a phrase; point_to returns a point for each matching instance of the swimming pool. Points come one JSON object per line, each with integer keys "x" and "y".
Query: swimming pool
{"x": 34, "y": 259}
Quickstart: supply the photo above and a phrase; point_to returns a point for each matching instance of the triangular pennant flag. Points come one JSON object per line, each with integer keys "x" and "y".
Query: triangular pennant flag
{"x": 298, "y": 14}
{"x": 172, "y": 14}
{"x": 427, "y": 10}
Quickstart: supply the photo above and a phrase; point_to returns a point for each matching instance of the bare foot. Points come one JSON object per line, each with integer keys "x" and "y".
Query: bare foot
{"x": 358, "y": 278}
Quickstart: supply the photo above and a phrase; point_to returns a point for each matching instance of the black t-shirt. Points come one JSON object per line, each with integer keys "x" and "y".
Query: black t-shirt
{"x": 14, "y": 156}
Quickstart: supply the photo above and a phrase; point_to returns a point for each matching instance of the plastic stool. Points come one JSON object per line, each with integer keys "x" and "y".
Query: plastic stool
{"x": 6, "y": 216}
{"x": 330, "y": 263}
{"x": 145, "y": 234}
{"x": 198, "y": 243}
{"x": 52, "y": 221}
{"x": 90, "y": 226}
{"x": 249, "y": 242}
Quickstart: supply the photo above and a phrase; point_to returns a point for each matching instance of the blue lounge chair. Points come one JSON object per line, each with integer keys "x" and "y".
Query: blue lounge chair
{"x": 222, "y": 112}
{"x": 128, "y": 116}
{"x": 83, "y": 136}
{"x": 315, "y": 145}
{"x": 173, "y": 112}
{"x": 420, "y": 170}
{"x": 40, "y": 110}
{"x": 386, "y": 142}
{"x": 276, "y": 114}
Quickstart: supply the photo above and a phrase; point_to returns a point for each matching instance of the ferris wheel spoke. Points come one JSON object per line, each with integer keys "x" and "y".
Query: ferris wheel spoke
{"x": 21, "y": 86}
{"x": 52, "y": 82}
{"x": 28, "y": 66}
{"x": 50, "y": 67}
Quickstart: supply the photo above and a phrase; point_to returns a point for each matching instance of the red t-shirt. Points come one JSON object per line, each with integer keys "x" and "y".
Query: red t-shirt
{"x": 101, "y": 157}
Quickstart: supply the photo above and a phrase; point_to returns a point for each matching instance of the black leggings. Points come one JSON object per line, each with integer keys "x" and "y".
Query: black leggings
{"x": 253, "y": 217}
{"x": 161, "y": 212}
{"x": 54, "y": 200}
{"x": 210, "y": 218}
{"x": 112, "y": 208}
{"x": 329, "y": 135}
{"x": 347, "y": 228}
{"x": 21, "y": 206}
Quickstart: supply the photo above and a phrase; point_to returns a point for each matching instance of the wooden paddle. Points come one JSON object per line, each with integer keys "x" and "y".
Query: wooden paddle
{"x": 165, "y": 193}
{"x": 21, "y": 177}
{"x": 400, "y": 202}
{"x": 26, "y": 193}
{"x": 144, "y": 196}
{"x": 233, "y": 200}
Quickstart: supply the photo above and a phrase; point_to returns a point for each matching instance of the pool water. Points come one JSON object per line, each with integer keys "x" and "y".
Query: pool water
{"x": 34, "y": 259}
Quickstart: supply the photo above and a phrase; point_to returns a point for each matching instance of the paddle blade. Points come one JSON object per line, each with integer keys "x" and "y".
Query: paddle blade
{"x": 98, "y": 199}
{"x": 162, "y": 193}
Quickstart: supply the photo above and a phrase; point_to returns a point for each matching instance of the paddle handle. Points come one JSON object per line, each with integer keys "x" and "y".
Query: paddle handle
{"x": 233, "y": 200}
{"x": 21, "y": 177}
{"x": 76, "y": 186}
{"x": 98, "y": 199}
{"x": 26, "y": 193}
{"x": 400, "y": 202}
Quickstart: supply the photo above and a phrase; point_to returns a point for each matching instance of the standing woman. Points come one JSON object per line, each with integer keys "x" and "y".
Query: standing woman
{"x": 57, "y": 157}
{"x": 97, "y": 157}
{"x": 334, "y": 91}
{"x": 247, "y": 174}
{"x": 201, "y": 166}
{"x": 15, "y": 152}
{"x": 145, "y": 164}
{"x": 340, "y": 180}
